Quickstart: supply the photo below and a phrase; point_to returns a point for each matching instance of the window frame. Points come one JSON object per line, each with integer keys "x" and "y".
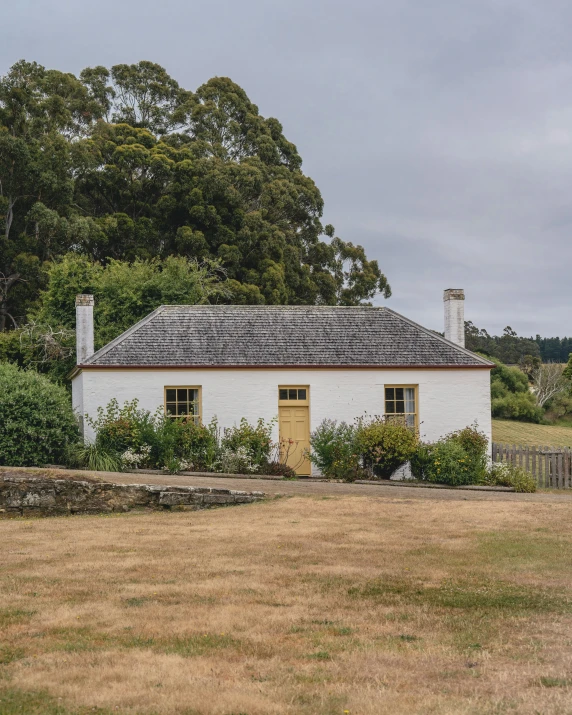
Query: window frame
{"x": 198, "y": 418}
{"x": 293, "y": 403}
{"x": 416, "y": 398}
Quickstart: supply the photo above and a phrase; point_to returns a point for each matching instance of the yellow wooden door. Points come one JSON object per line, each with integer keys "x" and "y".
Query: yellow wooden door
{"x": 295, "y": 438}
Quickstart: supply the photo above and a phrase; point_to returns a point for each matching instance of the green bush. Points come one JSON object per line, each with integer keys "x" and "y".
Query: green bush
{"x": 476, "y": 445}
{"x": 458, "y": 458}
{"x": 93, "y": 457}
{"x": 385, "y": 445}
{"x": 334, "y": 451}
{"x": 420, "y": 460}
{"x": 128, "y": 427}
{"x": 138, "y": 438}
{"x": 503, "y": 474}
{"x": 516, "y": 406}
{"x": 279, "y": 469}
{"x": 197, "y": 446}
{"x": 449, "y": 464}
{"x": 248, "y": 441}
{"x": 36, "y": 416}
{"x": 511, "y": 397}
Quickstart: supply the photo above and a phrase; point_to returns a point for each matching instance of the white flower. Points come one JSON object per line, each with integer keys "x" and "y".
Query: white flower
{"x": 134, "y": 459}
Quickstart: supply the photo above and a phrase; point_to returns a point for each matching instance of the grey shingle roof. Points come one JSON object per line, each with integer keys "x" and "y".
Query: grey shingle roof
{"x": 234, "y": 335}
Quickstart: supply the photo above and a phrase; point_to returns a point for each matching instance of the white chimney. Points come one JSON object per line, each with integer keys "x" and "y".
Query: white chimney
{"x": 84, "y": 327}
{"x": 454, "y": 302}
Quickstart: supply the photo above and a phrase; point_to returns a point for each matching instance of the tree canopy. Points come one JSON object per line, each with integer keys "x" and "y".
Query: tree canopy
{"x": 125, "y": 164}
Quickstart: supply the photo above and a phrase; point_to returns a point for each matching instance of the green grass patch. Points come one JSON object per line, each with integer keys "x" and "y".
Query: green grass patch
{"x": 12, "y": 616}
{"x": 546, "y": 682}
{"x": 519, "y": 551}
{"x": 76, "y": 640}
{"x": 486, "y": 596}
{"x": 320, "y": 655}
{"x": 196, "y": 645}
{"x": 8, "y": 655}
{"x": 14, "y": 701}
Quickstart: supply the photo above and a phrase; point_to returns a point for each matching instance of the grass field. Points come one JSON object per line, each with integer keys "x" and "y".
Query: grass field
{"x": 510, "y": 432}
{"x": 301, "y": 606}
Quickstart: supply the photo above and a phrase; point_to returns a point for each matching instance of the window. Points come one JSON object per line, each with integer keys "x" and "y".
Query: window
{"x": 292, "y": 393}
{"x": 401, "y": 402}
{"x": 183, "y": 402}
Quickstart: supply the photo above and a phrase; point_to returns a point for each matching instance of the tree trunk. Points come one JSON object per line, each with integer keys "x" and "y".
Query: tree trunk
{"x": 5, "y": 284}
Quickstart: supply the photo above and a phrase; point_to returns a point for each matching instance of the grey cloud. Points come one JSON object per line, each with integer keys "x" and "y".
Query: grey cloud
{"x": 439, "y": 133}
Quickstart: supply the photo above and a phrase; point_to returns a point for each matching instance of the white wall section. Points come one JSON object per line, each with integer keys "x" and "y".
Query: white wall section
{"x": 449, "y": 399}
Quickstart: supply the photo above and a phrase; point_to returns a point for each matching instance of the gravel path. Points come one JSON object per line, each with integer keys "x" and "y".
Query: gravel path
{"x": 309, "y": 488}
{"x": 303, "y": 487}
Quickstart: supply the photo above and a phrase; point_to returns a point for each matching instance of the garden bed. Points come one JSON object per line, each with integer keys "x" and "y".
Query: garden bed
{"x": 428, "y": 485}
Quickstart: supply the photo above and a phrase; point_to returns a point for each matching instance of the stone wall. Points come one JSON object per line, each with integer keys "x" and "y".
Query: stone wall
{"x": 43, "y": 496}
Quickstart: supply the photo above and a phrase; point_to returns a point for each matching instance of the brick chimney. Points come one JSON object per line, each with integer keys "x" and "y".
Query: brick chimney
{"x": 454, "y": 302}
{"x": 84, "y": 327}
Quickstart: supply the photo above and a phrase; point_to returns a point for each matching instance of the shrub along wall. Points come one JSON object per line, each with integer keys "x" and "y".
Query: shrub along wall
{"x": 44, "y": 496}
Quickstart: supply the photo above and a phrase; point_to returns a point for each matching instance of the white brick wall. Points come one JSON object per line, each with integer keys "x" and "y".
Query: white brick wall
{"x": 448, "y": 399}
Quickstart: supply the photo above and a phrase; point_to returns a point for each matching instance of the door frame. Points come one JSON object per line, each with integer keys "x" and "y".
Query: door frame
{"x": 296, "y": 403}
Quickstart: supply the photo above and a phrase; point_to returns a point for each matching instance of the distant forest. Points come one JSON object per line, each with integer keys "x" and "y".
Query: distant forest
{"x": 512, "y": 349}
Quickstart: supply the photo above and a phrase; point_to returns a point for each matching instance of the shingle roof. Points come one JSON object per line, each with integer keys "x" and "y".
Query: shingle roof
{"x": 234, "y": 335}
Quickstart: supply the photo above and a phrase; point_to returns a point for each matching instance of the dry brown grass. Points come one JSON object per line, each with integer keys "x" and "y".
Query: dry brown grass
{"x": 304, "y": 605}
{"x": 525, "y": 433}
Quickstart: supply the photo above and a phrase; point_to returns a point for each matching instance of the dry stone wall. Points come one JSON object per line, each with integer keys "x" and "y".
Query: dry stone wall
{"x": 43, "y": 496}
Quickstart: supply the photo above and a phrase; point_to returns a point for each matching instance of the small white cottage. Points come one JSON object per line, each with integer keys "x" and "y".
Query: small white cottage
{"x": 301, "y": 364}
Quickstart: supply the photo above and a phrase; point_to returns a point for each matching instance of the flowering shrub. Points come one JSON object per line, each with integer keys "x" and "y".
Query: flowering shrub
{"x": 128, "y": 427}
{"x": 449, "y": 464}
{"x": 503, "y": 474}
{"x": 133, "y": 460}
{"x": 197, "y": 445}
{"x": 385, "y": 444}
{"x": 456, "y": 459}
{"x": 133, "y": 437}
{"x": 334, "y": 450}
{"x": 238, "y": 461}
{"x": 256, "y": 440}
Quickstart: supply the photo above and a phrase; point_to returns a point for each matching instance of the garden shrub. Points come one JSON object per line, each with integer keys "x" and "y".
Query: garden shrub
{"x": 37, "y": 420}
{"x": 93, "y": 457}
{"x": 134, "y": 437}
{"x": 247, "y": 445}
{"x": 128, "y": 427}
{"x": 516, "y": 406}
{"x": 277, "y": 468}
{"x": 449, "y": 464}
{"x": 504, "y": 474}
{"x": 195, "y": 445}
{"x": 334, "y": 450}
{"x": 458, "y": 458}
{"x": 385, "y": 444}
{"x": 420, "y": 460}
{"x": 476, "y": 445}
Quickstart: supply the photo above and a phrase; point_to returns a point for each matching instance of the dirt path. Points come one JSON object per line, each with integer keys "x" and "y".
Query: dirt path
{"x": 309, "y": 488}
{"x": 306, "y": 488}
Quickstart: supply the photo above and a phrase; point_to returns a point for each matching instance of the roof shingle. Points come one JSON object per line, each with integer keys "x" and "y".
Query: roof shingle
{"x": 233, "y": 335}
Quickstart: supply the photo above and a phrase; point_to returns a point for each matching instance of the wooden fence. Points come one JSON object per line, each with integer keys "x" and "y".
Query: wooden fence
{"x": 550, "y": 466}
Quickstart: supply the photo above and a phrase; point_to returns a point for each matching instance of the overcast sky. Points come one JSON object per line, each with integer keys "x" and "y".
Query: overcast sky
{"x": 440, "y": 132}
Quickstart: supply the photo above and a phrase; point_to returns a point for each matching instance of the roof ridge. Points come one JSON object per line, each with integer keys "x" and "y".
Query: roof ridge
{"x": 434, "y": 334}
{"x": 274, "y": 307}
{"x": 120, "y": 338}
